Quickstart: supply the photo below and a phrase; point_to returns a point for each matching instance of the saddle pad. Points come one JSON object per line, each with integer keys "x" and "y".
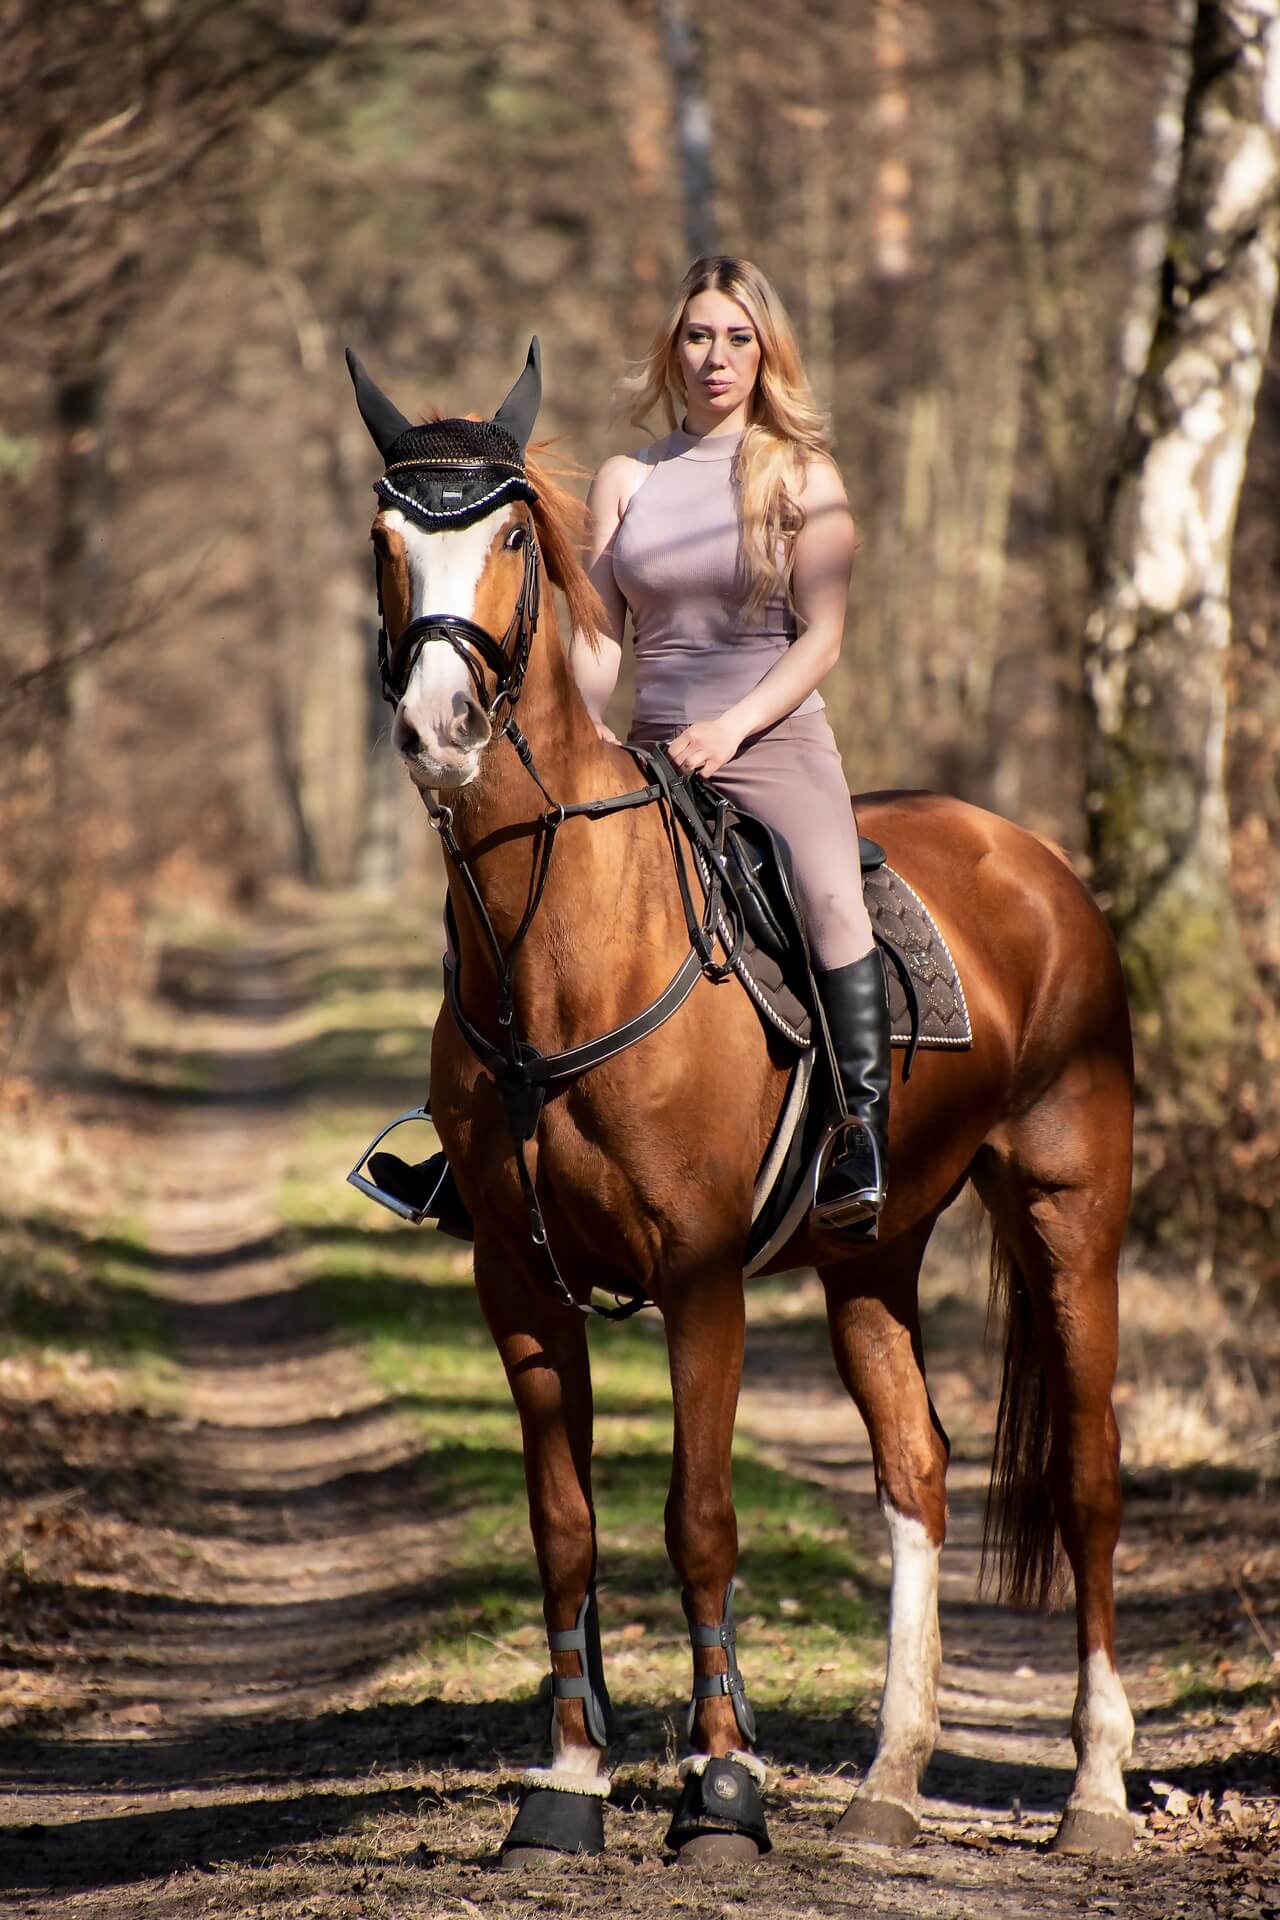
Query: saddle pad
{"x": 901, "y": 918}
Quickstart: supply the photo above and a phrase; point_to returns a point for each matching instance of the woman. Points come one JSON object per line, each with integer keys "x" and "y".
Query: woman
{"x": 730, "y": 545}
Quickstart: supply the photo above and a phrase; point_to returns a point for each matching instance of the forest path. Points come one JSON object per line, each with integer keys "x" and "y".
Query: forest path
{"x": 293, "y": 1469}
{"x": 273, "y": 1557}
{"x": 281, "y": 1552}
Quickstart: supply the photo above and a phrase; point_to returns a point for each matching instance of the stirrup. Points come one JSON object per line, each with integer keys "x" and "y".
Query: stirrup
{"x": 859, "y": 1205}
{"x": 370, "y": 1188}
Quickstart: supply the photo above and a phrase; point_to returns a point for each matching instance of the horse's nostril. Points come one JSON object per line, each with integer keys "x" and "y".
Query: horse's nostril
{"x": 470, "y": 728}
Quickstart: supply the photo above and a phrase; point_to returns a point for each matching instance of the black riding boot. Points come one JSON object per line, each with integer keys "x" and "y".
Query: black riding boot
{"x": 429, "y": 1187}
{"x": 852, "y": 1189}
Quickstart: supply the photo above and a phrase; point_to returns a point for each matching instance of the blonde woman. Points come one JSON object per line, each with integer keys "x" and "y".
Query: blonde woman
{"x": 729, "y": 543}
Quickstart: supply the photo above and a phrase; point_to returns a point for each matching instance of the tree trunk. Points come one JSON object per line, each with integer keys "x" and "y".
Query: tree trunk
{"x": 1156, "y": 638}
{"x": 693, "y": 127}
{"x": 1142, "y": 310}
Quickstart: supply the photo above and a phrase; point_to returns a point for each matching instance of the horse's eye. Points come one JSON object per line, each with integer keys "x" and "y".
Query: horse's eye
{"x": 516, "y": 538}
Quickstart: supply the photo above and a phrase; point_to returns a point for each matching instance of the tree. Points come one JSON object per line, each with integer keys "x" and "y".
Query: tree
{"x": 1158, "y": 631}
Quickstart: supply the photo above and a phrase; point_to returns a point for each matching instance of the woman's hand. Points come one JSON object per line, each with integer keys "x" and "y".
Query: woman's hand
{"x": 706, "y": 746}
{"x": 606, "y": 734}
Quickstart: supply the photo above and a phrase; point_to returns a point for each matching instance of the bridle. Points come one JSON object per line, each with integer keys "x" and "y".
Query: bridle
{"x": 507, "y": 659}
{"x": 524, "y": 1076}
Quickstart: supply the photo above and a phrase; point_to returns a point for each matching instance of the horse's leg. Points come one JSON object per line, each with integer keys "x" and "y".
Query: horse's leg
{"x": 719, "y": 1817}
{"x": 544, "y": 1351}
{"x": 873, "y": 1314}
{"x": 1056, "y": 1182}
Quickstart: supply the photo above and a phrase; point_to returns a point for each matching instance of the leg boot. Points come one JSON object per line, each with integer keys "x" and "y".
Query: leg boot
{"x": 429, "y": 1187}
{"x": 852, "y": 1188}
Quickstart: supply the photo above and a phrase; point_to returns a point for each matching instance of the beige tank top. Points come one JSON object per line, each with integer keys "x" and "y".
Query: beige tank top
{"x": 678, "y": 564}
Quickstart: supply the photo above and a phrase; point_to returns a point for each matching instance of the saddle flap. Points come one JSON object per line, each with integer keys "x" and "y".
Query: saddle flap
{"x": 751, "y": 855}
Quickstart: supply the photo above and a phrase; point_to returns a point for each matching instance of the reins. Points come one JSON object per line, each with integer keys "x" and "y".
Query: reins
{"x": 524, "y": 1076}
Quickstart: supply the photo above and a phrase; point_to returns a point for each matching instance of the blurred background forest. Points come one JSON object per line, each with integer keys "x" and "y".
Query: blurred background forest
{"x": 967, "y": 206}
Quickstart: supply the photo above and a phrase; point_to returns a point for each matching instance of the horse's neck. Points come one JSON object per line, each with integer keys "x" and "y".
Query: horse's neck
{"x": 496, "y": 817}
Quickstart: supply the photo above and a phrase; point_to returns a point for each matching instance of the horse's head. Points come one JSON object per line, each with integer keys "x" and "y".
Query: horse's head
{"x": 458, "y": 573}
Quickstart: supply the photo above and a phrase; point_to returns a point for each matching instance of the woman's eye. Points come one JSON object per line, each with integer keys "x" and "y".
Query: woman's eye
{"x": 516, "y": 538}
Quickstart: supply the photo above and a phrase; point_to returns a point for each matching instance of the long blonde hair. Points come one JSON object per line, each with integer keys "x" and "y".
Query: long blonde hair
{"x": 786, "y": 427}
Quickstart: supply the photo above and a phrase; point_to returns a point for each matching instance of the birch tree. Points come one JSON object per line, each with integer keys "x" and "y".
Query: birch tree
{"x": 1157, "y": 635}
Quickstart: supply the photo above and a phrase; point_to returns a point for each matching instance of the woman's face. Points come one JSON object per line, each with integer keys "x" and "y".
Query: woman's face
{"x": 718, "y": 354}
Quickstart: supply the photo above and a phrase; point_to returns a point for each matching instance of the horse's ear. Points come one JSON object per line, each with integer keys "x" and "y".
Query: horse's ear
{"x": 385, "y": 422}
{"x": 520, "y": 408}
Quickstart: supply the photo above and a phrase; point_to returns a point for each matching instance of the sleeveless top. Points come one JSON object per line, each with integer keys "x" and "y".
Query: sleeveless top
{"x": 678, "y": 565}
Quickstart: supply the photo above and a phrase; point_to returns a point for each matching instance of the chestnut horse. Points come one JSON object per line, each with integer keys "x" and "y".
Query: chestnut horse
{"x": 645, "y": 1167}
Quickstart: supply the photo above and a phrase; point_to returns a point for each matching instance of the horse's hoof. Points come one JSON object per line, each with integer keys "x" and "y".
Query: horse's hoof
{"x": 720, "y": 1820}
{"x": 550, "y": 1825}
{"x": 718, "y": 1850}
{"x": 520, "y": 1859}
{"x": 1110, "y": 1834}
{"x": 876, "y": 1823}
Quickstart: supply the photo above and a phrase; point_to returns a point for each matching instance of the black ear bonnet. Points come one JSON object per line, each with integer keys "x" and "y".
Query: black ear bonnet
{"x": 452, "y": 472}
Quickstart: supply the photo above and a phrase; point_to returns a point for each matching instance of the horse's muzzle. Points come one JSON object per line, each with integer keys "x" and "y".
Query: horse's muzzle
{"x": 444, "y": 749}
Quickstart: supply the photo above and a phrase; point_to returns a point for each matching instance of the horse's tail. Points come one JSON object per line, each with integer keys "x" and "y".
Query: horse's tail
{"x": 1020, "y": 1540}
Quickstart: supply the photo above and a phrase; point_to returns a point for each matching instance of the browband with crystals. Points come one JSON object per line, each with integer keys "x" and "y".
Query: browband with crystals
{"x": 450, "y": 473}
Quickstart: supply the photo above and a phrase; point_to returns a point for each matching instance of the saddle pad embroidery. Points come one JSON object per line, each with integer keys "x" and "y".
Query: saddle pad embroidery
{"x": 901, "y": 917}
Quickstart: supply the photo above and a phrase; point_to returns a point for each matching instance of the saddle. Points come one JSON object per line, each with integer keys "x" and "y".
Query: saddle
{"x": 762, "y": 930}
{"x": 763, "y": 937}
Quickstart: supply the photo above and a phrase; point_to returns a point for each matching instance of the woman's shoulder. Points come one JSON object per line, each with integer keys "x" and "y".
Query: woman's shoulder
{"x": 621, "y": 466}
{"x": 617, "y": 479}
{"x": 821, "y": 484}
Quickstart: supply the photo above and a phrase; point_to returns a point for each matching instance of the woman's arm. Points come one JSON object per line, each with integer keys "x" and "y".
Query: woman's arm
{"x": 595, "y": 667}
{"x": 820, "y": 588}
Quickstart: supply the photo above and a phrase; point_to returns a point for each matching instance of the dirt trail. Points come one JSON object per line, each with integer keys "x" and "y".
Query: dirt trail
{"x": 287, "y": 1484}
{"x": 233, "y": 1763}
{"x": 298, "y": 1466}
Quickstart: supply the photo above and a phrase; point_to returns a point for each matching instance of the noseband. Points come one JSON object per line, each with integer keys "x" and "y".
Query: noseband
{"x": 507, "y": 659}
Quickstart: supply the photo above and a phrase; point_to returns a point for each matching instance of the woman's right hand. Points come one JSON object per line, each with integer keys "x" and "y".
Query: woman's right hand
{"x": 607, "y": 734}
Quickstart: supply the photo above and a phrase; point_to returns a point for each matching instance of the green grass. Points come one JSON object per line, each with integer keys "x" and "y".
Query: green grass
{"x": 63, "y": 1291}
{"x": 1219, "y": 1688}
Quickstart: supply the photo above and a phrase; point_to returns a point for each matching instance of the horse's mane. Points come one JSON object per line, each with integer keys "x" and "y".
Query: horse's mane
{"x": 560, "y": 519}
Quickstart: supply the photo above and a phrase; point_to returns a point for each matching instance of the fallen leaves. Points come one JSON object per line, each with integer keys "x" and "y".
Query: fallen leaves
{"x": 1234, "y": 1825}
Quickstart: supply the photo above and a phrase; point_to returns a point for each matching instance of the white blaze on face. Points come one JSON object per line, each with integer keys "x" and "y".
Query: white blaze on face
{"x": 1102, "y": 1734}
{"x": 438, "y": 724}
{"x": 908, "y": 1723}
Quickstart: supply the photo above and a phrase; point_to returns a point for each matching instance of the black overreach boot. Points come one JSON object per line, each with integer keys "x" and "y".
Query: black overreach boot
{"x": 851, "y": 1192}
{"x": 429, "y": 1187}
